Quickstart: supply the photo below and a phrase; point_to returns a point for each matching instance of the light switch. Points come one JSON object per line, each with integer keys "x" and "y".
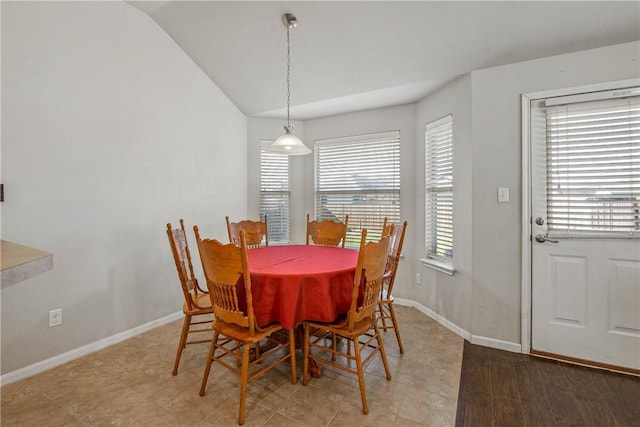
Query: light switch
{"x": 503, "y": 194}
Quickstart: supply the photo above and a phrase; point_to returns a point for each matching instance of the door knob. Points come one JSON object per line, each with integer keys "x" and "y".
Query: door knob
{"x": 541, "y": 238}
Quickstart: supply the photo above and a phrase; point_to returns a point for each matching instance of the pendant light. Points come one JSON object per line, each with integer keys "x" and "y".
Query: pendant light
{"x": 288, "y": 143}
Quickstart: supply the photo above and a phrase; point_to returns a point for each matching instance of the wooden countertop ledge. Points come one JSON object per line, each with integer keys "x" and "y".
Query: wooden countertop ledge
{"x": 20, "y": 262}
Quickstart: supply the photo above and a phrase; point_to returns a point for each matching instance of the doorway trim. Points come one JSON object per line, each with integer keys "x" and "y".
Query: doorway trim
{"x": 526, "y": 98}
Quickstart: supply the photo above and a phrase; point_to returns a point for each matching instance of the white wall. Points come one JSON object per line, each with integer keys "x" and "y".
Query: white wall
{"x": 448, "y": 296}
{"x": 109, "y": 131}
{"x": 496, "y": 151}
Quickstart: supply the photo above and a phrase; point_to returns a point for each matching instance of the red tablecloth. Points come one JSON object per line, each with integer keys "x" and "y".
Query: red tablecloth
{"x": 290, "y": 284}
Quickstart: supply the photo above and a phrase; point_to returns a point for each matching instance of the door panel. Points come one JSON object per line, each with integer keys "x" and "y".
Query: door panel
{"x": 624, "y": 297}
{"x": 585, "y": 266}
{"x": 568, "y": 293}
{"x": 587, "y": 306}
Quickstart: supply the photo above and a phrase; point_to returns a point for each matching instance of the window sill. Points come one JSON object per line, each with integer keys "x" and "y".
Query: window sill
{"x": 441, "y": 266}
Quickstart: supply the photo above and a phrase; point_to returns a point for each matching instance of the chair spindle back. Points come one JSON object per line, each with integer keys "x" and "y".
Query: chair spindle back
{"x": 224, "y": 265}
{"x": 184, "y": 266}
{"x": 327, "y": 232}
{"x": 255, "y": 232}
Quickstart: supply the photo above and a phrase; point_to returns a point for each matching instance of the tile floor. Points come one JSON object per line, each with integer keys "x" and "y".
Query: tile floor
{"x": 130, "y": 384}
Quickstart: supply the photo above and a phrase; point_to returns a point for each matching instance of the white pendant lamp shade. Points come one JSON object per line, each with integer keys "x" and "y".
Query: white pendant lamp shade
{"x": 289, "y": 144}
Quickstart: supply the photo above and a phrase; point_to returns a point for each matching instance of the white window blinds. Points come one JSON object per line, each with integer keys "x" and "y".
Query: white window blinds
{"x": 593, "y": 168}
{"x": 360, "y": 177}
{"x": 439, "y": 189}
{"x": 275, "y": 193}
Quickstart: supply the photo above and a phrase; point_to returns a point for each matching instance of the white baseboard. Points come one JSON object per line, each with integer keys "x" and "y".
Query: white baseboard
{"x": 60, "y": 359}
{"x": 435, "y": 316}
{"x": 513, "y": 347}
{"x": 474, "y": 339}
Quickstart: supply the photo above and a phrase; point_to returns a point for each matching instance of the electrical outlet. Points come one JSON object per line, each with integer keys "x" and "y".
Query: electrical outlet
{"x": 55, "y": 317}
{"x": 418, "y": 279}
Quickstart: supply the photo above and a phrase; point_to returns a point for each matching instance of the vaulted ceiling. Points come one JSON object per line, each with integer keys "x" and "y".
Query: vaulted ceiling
{"x": 356, "y": 55}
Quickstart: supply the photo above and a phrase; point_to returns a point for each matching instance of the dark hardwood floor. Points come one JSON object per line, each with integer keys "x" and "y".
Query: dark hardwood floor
{"x": 500, "y": 388}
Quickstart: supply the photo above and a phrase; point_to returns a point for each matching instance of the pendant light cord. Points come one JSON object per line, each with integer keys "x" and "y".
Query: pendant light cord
{"x": 289, "y": 127}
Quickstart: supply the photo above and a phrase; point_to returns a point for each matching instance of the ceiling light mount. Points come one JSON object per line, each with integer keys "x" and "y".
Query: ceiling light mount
{"x": 289, "y": 20}
{"x": 288, "y": 143}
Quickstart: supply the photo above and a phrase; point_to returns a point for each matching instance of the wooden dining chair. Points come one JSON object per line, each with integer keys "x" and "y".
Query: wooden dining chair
{"x": 197, "y": 307}
{"x": 235, "y": 329}
{"x": 255, "y": 232}
{"x": 385, "y": 304}
{"x": 359, "y": 327}
{"x": 387, "y": 227}
{"x": 327, "y": 232}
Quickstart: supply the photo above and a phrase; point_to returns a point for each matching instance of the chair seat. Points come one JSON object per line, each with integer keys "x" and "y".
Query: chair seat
{"x": 359, "y": 328}
{"x": 201, "y": 300}
{"x": 242, "y": 334}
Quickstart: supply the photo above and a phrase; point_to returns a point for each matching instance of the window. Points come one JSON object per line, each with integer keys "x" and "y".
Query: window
{"x": 439, "y": 191}
{"x": 360, "y": 177}
{"x": 593, "y": 165}
{"x": 275, "y": 193}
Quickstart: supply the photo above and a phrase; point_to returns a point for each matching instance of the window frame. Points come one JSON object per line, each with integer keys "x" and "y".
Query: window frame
{"x": 437, "y": 194}
{"x": 383, "y": 197}
{"x": 274, "y": 238}
{"x": 586, "y": 197}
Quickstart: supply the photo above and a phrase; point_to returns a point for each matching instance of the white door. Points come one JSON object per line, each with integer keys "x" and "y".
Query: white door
{"x": 585, "y": 213}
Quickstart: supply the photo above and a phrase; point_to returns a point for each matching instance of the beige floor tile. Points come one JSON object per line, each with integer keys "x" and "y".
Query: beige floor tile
{"x": 279, "y": 420}
{"x": 350, "y": 415}
{"x": 311, "y": 405}
{"x": 382, "y": 394}
{"x": 402, "y": 422}
{"x": 227, "y": 415}
{"x": 89, "y": 396}
{"x": 427, "y": 408}
{"x": 169, "y": 387}
{"x": 273, "y": 391}
{"x": 130, "y": 384}
{"x": 189, "y": 406}
{"x": 128, "y": 408}
{"x": 335, "y": 380}
{"x": 37, "y": 413}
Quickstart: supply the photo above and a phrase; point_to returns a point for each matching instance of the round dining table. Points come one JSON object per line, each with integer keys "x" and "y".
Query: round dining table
{"x": 294, "y": 283}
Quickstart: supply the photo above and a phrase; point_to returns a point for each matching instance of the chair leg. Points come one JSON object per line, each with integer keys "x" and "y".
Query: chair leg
{"x": 348, "y": 342}
{"x": 239, "y": 358}
{"x": 207, "y": 368}
{"x": 292, "y": 353}
{"x": 333, "y": 346}
{"x": 395, "y": 327}
{"x": 183, "y": 340}
{"x": 257, "y": 350}
{"x": 382, "y": 316}
{"x": 244, "y": 375}
{"x": 363, "y": 392}
{"x": 305, "y": 356}
{"x": 383, "y": 354}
